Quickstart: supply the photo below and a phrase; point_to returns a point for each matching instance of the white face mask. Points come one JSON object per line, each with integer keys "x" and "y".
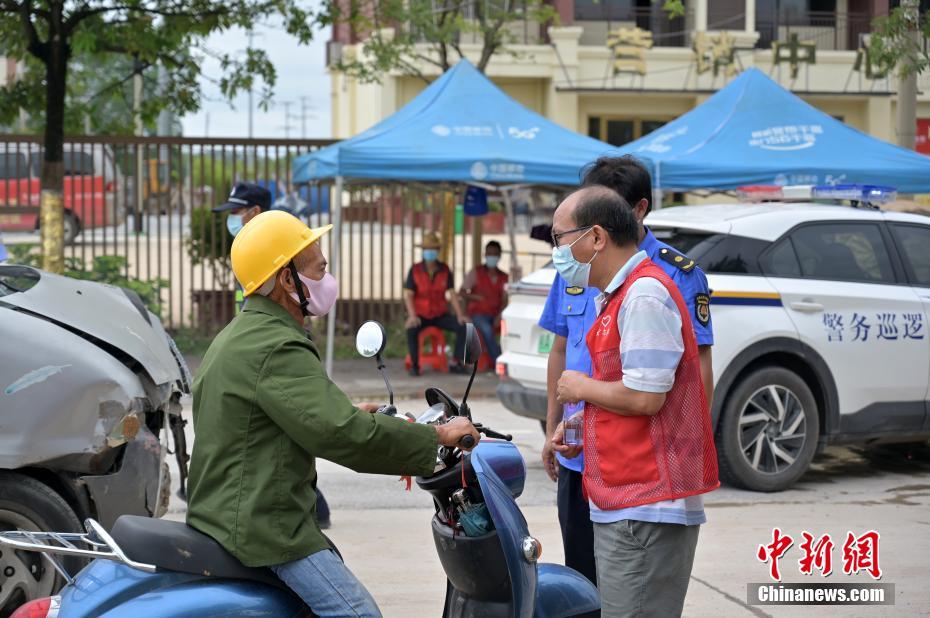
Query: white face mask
{"x": 574, "y": 272}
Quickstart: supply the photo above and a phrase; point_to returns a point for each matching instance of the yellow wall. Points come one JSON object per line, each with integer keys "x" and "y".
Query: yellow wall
{"x": 530, "y": 93}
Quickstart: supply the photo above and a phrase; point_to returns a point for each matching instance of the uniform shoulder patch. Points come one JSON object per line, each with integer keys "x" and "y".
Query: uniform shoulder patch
{"x": 574, "y": 290}
{"x": 702, "y": 309}
{"x": 679, "y": 260}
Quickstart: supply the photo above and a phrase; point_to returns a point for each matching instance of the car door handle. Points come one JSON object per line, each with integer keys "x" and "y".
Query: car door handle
{"x": 806, "y": 306}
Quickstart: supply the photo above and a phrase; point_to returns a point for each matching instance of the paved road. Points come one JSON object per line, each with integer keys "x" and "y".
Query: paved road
{"x": 383, "y": 531}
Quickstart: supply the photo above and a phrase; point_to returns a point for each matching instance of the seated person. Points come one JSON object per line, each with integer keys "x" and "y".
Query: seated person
{"x": 484, "y": 289}
{"x": 428, "y": 292}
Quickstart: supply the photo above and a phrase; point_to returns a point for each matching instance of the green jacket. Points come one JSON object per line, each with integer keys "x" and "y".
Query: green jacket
{"x": 264, "y": 410}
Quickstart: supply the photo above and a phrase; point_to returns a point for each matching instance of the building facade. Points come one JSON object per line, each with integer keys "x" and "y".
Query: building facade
{"x": 618, "y": 69}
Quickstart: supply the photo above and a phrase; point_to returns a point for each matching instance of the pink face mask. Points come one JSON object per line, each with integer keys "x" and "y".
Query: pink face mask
{"x": 323, "y": 294}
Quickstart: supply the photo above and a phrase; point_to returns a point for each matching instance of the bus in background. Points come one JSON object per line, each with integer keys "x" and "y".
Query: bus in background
{"x": 91, "y": 183}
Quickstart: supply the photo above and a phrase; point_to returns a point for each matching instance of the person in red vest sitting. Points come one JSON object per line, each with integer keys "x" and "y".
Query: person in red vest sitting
{"x": 484, "y": 289}
{"x": 428, "y": 292}
{"x": 647, "y": 437}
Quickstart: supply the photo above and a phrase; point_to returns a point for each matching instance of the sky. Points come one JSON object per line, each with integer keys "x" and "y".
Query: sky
{"x": 301, "y": 73}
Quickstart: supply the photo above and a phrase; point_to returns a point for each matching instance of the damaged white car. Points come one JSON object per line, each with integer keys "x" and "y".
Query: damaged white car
{"x": 90, "y": 388}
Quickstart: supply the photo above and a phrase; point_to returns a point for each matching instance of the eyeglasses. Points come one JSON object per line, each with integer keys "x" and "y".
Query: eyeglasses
{"x": 557, "y": 237}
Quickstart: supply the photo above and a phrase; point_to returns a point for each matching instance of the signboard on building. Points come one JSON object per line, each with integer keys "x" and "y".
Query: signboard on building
{"x": 922, "y": 144}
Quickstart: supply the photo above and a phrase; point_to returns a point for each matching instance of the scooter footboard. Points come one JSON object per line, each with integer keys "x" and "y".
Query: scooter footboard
{"x": 562, "y": 592}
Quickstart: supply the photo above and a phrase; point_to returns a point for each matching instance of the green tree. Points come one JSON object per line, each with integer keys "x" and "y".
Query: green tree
{"x": 406, "y": 34}
{"x": 56, "y": 34}
{"x": 899, "y": 42}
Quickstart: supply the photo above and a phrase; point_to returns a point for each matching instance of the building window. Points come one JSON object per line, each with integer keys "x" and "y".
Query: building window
{"x": 620, "y": 131}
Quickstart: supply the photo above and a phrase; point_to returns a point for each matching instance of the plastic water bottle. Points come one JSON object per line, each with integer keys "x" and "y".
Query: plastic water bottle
{"x": 574, "y": 423}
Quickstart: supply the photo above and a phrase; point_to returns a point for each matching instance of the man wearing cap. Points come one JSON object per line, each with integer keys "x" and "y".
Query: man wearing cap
{"x": 264, "y": 410}
{"x": 428, "y": 292}
{"x": 243, "y": 204}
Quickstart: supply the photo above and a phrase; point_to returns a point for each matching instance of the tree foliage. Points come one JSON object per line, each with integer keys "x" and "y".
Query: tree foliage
{"x": 105, "y": 42}
{"x": 890, "y": 46}
{"x": 407, "y": 35}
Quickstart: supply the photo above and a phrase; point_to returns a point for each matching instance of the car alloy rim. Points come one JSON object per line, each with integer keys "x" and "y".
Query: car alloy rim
{"x": 772, "y": 429}
{"x": 23, "y": 574}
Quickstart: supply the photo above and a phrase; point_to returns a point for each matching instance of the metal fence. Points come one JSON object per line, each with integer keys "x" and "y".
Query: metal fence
{"x": 142, "y": 206}
{"x": 139, "y": 208}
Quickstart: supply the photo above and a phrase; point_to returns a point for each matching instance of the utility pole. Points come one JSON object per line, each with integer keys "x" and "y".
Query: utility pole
{"x": 251, "y": 38}
{"x": 137, "y": 113}
{"x": 304, "y": 105}
{"x": 287, "y": 118}
{"x": 907, "y": 77}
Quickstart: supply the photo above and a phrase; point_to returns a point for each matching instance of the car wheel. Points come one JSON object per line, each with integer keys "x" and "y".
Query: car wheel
{"x": 769, "y": 431}
{"x": 71, "y": 228}
{"x": 27, "y": 504}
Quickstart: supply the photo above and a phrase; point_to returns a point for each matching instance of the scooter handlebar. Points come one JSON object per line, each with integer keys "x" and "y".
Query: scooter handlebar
{"x": 466, "y": 442}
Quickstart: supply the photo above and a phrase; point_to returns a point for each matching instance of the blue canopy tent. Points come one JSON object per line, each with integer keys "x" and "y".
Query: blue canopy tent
{"x": 461, "y": 128}
{"x": 753, "y": 131}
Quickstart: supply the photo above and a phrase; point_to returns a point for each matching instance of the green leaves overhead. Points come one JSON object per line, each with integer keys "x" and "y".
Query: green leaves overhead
{"x": 412, "y": 35}
{"x": 107, "y": 41}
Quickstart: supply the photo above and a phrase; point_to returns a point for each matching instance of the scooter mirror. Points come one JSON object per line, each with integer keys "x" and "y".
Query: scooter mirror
{"x": 472, "y": 345}
{"x": 370, "y": 339}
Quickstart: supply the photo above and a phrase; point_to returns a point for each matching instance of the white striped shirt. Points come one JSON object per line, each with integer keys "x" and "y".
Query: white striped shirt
{"x": 650, "y": 350}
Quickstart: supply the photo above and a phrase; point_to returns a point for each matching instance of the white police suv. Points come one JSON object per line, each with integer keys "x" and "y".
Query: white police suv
{"x": 820, "y": 315}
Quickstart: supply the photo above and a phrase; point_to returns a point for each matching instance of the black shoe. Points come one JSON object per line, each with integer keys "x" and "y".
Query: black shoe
{"x": 457, "y": 368}
{"x": 414, "y": 371}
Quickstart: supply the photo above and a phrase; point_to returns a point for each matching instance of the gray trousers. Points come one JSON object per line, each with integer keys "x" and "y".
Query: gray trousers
{"x": 643, "y": 569}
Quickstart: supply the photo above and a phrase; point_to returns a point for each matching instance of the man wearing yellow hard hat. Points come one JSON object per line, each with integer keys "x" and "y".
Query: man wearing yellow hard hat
{"x": 264, "y": 410}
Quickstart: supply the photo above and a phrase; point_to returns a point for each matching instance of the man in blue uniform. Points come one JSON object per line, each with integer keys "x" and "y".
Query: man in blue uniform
{"x": 570, "y": 312}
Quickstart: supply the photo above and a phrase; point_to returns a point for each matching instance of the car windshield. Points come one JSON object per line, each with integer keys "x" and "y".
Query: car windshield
{"x": 14, "y": 279}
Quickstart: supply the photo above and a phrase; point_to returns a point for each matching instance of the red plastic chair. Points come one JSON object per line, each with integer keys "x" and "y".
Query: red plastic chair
{"x": 436, "y": 357}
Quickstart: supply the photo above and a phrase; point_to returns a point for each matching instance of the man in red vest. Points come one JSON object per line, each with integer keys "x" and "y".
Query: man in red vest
{"x": 484, "y": 289}
{"x": 428, "y": 292}
{"x": 649, "y": 448}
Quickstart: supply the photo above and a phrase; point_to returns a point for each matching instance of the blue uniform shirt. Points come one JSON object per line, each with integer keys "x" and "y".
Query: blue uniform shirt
{"x": 570, "y": 312}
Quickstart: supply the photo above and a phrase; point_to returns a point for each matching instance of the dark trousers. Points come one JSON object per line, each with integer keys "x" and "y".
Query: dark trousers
{"x": 322, "y": 507}
{"x": 485, "y": 325}
{"x": 577, "y": 530}
{"x": 446, "y": 322}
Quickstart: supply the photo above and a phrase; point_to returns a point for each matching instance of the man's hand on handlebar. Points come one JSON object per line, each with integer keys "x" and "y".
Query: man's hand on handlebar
{"x": 452, "y": 433}
{"x": 369, "y": 406}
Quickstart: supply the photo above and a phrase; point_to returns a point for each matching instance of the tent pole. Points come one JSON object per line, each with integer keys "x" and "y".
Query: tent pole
{"x": 516, "y": 273}
{"x": 335, "y": 267}
{"x": 657, "y": 189}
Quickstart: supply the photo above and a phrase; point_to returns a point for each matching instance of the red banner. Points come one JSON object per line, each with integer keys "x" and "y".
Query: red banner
{"x": 923, "y": 136}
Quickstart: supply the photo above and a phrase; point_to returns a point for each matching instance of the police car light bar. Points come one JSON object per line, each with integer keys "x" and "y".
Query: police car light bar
{"x": 763, "y": 193}
{"x": 868, "y": 194}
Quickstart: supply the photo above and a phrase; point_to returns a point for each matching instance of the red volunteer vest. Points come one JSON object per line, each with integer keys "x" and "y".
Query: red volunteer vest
{"x": 492, "y": 294}
{"x": 429, "y": 300}
{"x": 635, "y": 460}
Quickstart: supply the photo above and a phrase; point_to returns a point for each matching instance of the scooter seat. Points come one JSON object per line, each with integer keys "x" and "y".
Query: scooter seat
{"x": 175, "y": 546}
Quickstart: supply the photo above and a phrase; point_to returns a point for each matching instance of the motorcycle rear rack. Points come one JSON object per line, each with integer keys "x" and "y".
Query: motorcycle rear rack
{"x": 96, "y": 542}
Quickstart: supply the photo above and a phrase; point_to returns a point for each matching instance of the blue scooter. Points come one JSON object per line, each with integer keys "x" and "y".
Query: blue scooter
{"x": 158, "y": 568}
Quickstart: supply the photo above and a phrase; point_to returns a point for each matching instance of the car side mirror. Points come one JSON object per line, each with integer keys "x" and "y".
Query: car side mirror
{"x": 472, "y": 345}
{"x": 370, "y": 339}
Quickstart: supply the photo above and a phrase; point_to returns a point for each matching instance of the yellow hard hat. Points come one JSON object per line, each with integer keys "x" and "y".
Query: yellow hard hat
{"x": 267, "y": 243}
